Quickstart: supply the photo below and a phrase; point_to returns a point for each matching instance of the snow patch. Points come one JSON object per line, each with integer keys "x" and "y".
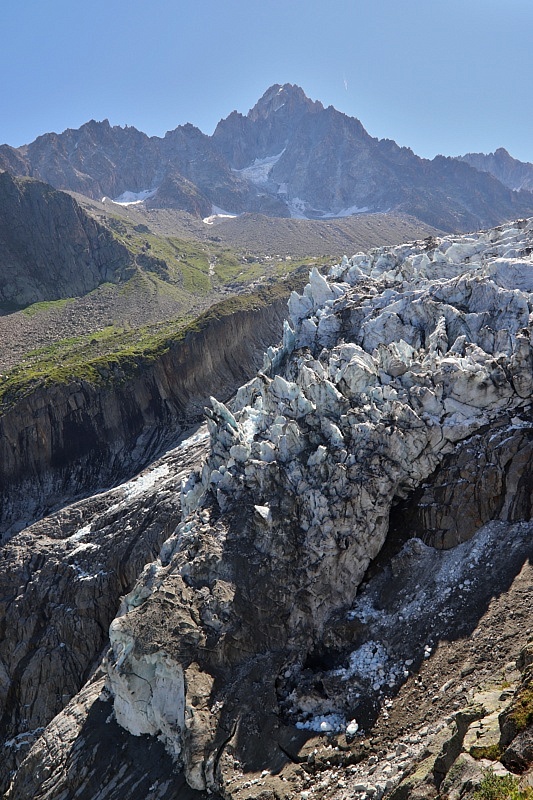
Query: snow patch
{"x": 258, "y": 172}
{"x": 345, "y": 212}
{"x": 300, "y": 209}
{"x": 80, "y": 534}
{"x": 324, "y": 723}
{"x": 371, "y": 663}
{"x": 145, "y": 481}
{"x": 201, "y": 435}
{"x": 84, "y": 547}
{"x": 218, "y": 213}
{"x": 23, "y": 739}
{"x": 133, "y": 198}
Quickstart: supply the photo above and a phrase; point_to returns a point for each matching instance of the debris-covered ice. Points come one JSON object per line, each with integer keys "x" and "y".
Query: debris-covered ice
{"x": 386, "y": 366}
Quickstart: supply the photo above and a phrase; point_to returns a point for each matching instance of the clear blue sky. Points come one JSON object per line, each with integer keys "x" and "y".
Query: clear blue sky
{"x": 440, "y": 76}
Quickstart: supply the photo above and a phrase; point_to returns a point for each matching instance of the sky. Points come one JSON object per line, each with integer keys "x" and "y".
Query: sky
{"x": 448, "y": 77}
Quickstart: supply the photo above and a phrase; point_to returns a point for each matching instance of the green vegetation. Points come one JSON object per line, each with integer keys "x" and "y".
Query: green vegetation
{"x": 110, "y": 354}
{"x": 198, "y": 267}
{"x": 190, "y": 274}
{"x": 117, "y": 354}
{"x": 522, "y": 707}
{"x": 491, "y": 751}
{"x": 46, "y": 305}
{"x": 501, "y": 787}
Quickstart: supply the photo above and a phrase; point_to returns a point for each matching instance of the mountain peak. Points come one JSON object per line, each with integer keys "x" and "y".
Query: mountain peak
{"x": 288, "y": 96}
{"x": 502, "y": 153}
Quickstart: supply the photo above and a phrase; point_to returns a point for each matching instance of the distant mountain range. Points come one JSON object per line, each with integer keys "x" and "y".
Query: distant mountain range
{"x": 288, "y": 157}
{"x": 511, "y": 172}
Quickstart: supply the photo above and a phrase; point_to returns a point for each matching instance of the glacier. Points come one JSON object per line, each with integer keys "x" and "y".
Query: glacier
{"x": 387, "y": 365}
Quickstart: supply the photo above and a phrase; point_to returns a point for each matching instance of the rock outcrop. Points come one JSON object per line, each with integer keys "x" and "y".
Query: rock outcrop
{"x": 50, "y": 248}
{"x": 64, "y": 440}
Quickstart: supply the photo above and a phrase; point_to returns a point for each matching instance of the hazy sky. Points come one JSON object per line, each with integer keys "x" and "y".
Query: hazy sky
{"x": 447, "y": 76}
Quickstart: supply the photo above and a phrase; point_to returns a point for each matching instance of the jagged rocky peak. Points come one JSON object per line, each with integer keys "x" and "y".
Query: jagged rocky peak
{"x": 289, "y": 96}
{"x": 510, "y": 171}
{"x": 289, "y": 156}
{"x": 387, "y": 365}
{"x": 266, "y": 130}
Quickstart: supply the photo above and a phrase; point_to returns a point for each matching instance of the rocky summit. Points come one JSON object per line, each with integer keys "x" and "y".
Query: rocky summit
{"x": 511, "y": 172}
{"x": 344, "y": 608}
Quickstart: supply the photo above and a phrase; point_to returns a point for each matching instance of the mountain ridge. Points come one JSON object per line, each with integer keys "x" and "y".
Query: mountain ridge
{"x": 510, "y": 171}
{"x": 289, "y": 156}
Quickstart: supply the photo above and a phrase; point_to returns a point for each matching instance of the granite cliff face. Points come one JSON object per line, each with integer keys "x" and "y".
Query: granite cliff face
{"x": 323, "y": 163}
{"x": 50, "y": 248}
{"x": 290, "y": 602}
{"x": 288, "y": 157}
{"x": 99, "y": 160}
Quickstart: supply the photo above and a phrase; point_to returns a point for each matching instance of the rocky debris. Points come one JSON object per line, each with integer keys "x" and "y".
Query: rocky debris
{"x": 475, "y": 742}
{"x": 397, "y": 753}
{"x": 516, "y": 722}
{"x": 61, "y": 583}
{"x": 414, "y": 601}
{"x": 385, "y": 367}
{"x": 276, "y": 237}
{"x": 22, "y": 332}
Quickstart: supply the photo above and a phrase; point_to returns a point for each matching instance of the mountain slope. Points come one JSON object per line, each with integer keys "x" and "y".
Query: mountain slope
{"x": 508, "y": 170}
{"x": 50, "y": 248}
{"x": 324, "y": 163}
{"x": 99, "y": 160}
{"x": 289, "y": 156}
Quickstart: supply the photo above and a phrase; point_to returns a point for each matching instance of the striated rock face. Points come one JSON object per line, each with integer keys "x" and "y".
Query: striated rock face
{"x": 50, "y": 248}
{"x": 60, "y": 587}
{"x": 385, "y": 369}
{"x": 488, "y": 477}
{"x": 65, "y": 440}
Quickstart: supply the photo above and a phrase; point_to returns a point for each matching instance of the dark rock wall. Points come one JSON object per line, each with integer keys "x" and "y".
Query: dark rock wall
{"x": 489, "y": 477}
{"x": 49, "y": 247}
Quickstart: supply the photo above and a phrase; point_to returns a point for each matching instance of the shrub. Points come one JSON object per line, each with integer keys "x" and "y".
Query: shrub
{"x": 501, "y": 787}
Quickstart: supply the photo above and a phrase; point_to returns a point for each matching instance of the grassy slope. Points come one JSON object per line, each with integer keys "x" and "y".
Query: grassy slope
{"x": 112, "y": 332}
{"x": 114, "y": 354}
{"x": 199, "y": 267}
